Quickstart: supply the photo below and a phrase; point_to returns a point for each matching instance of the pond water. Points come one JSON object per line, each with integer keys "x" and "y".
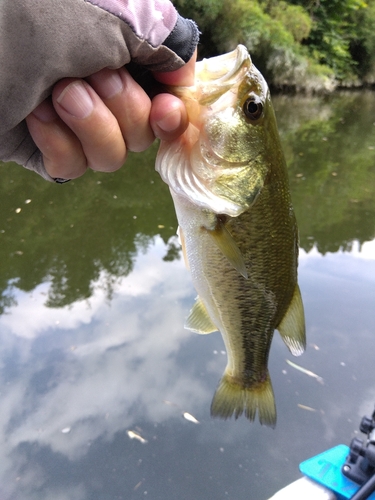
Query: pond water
{"x": 103, "y": 393}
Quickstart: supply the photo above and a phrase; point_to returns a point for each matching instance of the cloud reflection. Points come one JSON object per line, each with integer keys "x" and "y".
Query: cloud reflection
{"x": 95, "y": 366}
{"x": 339, "y": 292}
{"x": 98, "y": 368}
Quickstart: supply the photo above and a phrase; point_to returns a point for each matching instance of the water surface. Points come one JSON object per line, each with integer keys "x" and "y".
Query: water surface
{"x": 94, "y": 295}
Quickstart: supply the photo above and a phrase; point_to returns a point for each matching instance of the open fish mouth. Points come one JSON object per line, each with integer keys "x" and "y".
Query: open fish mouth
{"x": 224, "y": 68}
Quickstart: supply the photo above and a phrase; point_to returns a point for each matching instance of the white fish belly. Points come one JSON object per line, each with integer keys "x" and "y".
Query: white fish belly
{"x": 214, "y": 278}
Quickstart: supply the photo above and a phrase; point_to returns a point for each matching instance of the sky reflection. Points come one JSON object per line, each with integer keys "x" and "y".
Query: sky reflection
{"x": 94, "y": 366}
{"x": 75, "y": 379}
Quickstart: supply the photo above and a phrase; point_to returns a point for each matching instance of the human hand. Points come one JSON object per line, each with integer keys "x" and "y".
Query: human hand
{"x": 92, "y": 123}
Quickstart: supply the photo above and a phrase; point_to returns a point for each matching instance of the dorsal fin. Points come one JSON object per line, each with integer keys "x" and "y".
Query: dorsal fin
{"x": 292, "y": 326}
{"x": 224, "y": 240}
{"x": 198, "y": 320}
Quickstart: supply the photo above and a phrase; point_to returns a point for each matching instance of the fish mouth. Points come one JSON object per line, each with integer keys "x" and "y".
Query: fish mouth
{"x": 216, "y": 75}
{"x": 224, "y": 67}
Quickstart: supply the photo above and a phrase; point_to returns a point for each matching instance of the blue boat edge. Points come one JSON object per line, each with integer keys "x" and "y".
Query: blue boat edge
{"x": 325, "y": 469}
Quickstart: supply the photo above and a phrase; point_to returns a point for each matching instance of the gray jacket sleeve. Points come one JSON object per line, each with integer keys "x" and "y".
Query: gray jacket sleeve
{"x": 42, "y": 41}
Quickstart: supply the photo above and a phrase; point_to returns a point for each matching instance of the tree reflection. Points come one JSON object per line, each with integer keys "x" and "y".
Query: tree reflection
{"x": 69, "y": 235}
{"x": 331, "y": 159}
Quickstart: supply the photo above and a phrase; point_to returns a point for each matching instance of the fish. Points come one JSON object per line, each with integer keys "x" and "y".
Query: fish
{"x": 228, "y": 180}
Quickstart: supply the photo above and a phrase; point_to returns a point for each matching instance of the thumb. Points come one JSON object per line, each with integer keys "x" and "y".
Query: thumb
{"x": 183, "y": 76}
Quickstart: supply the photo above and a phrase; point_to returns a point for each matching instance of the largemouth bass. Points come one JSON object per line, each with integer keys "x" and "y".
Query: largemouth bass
{"x": 228, "y": 180}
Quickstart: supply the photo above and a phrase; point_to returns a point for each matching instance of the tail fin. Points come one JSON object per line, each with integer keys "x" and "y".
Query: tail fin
{"x": 231, "y": 398}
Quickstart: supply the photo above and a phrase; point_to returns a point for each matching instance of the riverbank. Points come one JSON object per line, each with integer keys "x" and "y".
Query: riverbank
{"x": 296, "y": 44}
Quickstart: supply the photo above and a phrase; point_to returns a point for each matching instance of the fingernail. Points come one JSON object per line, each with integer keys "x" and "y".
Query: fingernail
{"x": 108, "y": 84}
{"x": 45, "y": 112}
{"x": 171, "y": 121}
{"x": 76, "y": 100}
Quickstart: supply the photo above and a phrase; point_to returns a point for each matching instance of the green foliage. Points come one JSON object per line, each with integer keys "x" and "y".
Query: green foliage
{"x": 309, "y": 44}
{"x": 332, "y": 31}
{"x": 362, "y": 43}
{"x": 294, "y": 18}
{"x": 72, "y": 234}
{"x": 273, "y": 47}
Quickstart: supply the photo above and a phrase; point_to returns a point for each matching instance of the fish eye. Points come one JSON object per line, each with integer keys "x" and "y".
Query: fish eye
{"x": 252, "y": 108}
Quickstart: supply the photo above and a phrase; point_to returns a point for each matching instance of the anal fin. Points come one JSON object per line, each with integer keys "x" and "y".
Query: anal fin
{"x": 292, "y": 326}
{"x": 199, "y": 320}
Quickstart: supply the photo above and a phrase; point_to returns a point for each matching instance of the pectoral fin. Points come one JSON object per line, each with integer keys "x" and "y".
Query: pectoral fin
{"x": 229, "y": 248}
{"x": 181, "y": 239}
{"x": 198, "y": 320}
{"x": 292, "y": 326}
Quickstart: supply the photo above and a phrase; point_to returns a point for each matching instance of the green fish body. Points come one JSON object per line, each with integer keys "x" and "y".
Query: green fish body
{"x": 228, "y": 180}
